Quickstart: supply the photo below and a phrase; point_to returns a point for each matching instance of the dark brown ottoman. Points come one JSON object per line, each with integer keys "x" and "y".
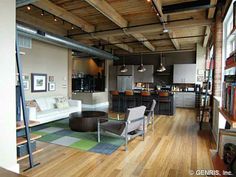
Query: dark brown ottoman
{"x": 86, "y": 121}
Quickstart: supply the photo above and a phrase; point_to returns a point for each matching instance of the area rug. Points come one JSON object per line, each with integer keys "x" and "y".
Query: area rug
{"x": 59, "y": 133}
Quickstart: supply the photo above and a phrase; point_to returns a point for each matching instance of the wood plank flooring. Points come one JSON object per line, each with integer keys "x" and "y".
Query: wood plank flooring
{"x": 174, "y": 147}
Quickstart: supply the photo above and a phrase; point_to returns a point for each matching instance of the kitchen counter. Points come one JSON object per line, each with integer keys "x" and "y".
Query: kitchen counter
{"x": 164, "y": 109}
{"x": 91, "y": 99}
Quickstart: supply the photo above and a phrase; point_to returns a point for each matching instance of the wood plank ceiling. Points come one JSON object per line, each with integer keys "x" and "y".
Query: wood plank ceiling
{"x": 123, "y": 26}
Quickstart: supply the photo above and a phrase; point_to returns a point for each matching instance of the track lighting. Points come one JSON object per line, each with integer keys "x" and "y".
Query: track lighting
{"x": 42, "y": 13}
{"x": 72, "y": 27}
{"x": 165, "y": 30}
{"x": 28, "y": 8}
{"x": 55, "y": 19}
{"x": 148, "y": 0}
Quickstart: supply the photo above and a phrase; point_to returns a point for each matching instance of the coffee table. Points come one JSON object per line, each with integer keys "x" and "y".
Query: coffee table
{"x": 86, "y": 121}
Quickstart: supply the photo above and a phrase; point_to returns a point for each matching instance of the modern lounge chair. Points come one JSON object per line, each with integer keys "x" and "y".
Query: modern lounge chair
{"x": 127, "y": 128}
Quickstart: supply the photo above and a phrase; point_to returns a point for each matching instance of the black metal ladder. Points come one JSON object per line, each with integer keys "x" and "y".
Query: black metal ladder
{"x": 22, "y": 99}
{"x": 206, "y": 93}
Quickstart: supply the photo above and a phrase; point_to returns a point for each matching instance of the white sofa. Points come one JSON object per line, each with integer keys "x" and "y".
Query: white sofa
{"x": 48, "y": 111}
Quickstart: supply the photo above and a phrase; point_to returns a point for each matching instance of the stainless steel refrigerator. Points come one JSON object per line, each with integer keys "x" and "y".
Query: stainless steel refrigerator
{"x": 125, "y": 83}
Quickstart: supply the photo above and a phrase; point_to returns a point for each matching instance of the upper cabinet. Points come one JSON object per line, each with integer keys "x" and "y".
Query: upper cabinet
{"x": 130, "y": 71}
{"x": 184, "y": 73}
{"x": 145, "y": 77}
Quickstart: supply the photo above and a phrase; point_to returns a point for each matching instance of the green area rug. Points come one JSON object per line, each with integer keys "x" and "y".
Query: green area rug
{"x": 58, "y": 132}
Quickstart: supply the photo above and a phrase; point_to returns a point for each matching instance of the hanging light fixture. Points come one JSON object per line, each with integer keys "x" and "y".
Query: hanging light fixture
{"x": 141, "y": 67}
{"x": 161, "y": 67}
{"x": 123, "y": 68}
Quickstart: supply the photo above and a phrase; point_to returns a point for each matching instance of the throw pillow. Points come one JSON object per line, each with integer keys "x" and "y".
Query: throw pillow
{"x": 62, "y": 105}
{"x": 62, "y": 102}
{"x": 33, "y": 103}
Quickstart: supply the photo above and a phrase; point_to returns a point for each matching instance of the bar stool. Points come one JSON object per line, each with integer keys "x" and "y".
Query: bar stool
{"x": 129, "y": 100}
{"x": 116, "y": 101}
{"x": 164, "y": 97}
{"x": 146, "y": 99}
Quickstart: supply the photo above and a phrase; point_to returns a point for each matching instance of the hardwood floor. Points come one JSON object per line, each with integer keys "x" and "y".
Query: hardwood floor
{"x": 171, "y": 150}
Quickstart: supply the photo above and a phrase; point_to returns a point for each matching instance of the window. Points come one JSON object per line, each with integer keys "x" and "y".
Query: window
{"x": 228, "y": 38}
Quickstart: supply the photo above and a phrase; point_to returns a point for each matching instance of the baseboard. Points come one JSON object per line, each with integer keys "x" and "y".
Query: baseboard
{"x": 14, "y": 168}
{"x": 95, "y": 105}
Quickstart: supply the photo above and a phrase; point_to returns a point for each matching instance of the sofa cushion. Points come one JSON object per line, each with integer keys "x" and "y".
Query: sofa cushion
{"x": 48, "y": 113}
{"x": 51, "y": 102}
{"x": 42, "y": 104}
{"x": 33, "y": 103}
{"x": 62, "y": 102}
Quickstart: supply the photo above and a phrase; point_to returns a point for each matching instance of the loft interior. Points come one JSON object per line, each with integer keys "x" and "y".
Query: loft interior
{"x": 118, "y": 88}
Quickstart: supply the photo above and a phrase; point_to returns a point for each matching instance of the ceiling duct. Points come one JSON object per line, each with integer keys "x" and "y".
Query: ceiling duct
{"x": 64, "y": 42}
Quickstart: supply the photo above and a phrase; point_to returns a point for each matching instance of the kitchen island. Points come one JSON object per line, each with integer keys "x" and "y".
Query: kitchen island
{"x": 165, "y": 105}
{"x": 91, "y": 99}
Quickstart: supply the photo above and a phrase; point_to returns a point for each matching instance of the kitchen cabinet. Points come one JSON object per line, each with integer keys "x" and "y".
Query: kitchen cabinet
{"x": 185, "y": 99}
{"x": 184, "y": 73}
{"x": 145, "y": 77}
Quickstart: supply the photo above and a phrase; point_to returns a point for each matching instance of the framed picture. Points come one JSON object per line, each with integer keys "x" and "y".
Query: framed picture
{"x": 38, "y": 82}
{"x": 51, "y": 86}
{"x": 225, "y": 136}
{"x": 51, "y": 78}
{"x": 26, "y": 84}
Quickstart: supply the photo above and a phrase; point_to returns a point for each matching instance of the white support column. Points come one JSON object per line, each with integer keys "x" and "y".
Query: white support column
{"x": 7, "y": 84}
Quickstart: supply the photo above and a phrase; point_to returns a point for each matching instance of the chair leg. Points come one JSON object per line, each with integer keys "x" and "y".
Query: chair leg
{"x": 143, "y": 128}
{"x": 126, "y": 136}
{"x": 99, "y": 138}
{"x": 152, "y": 121}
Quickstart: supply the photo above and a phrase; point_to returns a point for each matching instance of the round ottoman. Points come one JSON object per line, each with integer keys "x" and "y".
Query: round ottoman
{"x": 86, "y": 121}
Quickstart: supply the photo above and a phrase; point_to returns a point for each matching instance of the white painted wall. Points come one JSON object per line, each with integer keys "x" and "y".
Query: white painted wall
{"x": 7, "y": 86}
{"x": 46, "y": 59}
{"x": 200, "y": 61}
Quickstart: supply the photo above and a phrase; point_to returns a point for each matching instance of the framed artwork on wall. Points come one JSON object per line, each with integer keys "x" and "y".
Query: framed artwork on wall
{"x": 51, "y": 78}
{"x": 38, "y": 82}
{"x": 26, "y": 82}
{"x": 51, "y": 86}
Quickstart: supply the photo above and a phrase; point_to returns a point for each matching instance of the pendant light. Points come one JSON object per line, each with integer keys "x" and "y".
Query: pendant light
{"x": 161, "y": 67}
{"x": 123, "y": 68}
{"x": 141, "y": 67}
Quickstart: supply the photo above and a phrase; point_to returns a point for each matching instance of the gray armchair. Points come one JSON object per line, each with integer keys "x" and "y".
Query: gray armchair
{"x": 134, "y": 118}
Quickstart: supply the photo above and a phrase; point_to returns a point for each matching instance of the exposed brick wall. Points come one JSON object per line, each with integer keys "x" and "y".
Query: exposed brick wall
{"x": 218, "y": 54}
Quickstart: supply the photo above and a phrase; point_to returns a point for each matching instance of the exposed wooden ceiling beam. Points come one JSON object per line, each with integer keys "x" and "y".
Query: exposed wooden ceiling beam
{"x": 68, "y": 16}
{"x": 39, "y": 23}
{"x": 64, "y": 14}
{"x": 122, "y": 46}
{"x": 158, "y": 5}
{"x": 142, "y": 38}
{"x": 20, "y": 3}
{"x": 108, "y": 11}
{"x": 211, "y": 13}
{"x": 150, "y": 28}
{"x": 206, "y": 38}
{"x": 174, "y": 41}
